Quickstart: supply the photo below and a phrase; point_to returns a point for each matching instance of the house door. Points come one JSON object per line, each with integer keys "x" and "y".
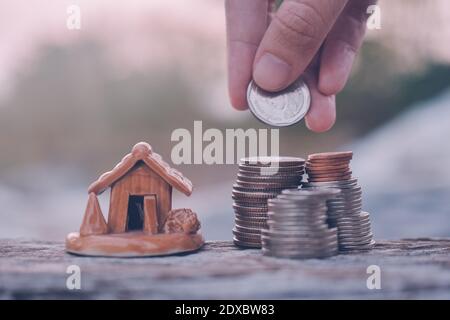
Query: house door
{"x": 142, "y": 213}
{"x": 135, "y": 214}
{"x": 151, "y": 214}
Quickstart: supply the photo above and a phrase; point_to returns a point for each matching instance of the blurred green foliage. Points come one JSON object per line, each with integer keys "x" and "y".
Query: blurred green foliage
{"x": 379, "y": 91}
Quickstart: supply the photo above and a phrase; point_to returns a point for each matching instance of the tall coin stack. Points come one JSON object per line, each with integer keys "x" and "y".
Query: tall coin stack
{"x": 332, "y": 170}
{"x": 260, "y": 179}
{"x": 297, "y": 226}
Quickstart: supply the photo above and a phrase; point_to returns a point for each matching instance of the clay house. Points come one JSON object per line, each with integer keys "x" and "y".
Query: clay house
{"x": 141, "y": 194}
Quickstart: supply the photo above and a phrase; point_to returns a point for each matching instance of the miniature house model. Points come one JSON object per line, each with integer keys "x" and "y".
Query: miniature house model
{"x": 141, "y": 221}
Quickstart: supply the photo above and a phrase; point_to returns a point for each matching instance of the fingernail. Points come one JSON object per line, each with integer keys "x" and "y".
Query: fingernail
{"x": 271, "y": 73}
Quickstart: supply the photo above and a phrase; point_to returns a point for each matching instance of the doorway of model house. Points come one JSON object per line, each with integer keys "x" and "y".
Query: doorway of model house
{"x": 142, "y": 213}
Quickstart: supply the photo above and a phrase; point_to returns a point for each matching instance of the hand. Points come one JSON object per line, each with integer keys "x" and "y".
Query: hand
{"x": 316, "y": 38}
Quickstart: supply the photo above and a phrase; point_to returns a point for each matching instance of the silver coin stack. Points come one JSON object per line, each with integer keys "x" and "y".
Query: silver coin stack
{"x": 297, "y": 226}
{"x": 260, "y": 179}
{"x": 345, "y": 212}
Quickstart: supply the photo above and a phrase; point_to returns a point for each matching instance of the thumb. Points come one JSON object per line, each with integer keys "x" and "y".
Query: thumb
{"x": 295, "y": 34}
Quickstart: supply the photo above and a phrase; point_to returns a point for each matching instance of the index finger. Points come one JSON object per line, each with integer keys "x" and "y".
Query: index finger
{"x": 247, "y": 22}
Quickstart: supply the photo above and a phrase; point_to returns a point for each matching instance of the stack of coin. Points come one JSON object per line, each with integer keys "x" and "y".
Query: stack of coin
{"x": 260, "y": 179}
{"x": 297, "y": 226}
{"x": 332, "y": 170}
{"x": 330, "y": 166}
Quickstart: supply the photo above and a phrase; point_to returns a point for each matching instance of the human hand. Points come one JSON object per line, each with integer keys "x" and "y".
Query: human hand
{"x": 318, "y": 39}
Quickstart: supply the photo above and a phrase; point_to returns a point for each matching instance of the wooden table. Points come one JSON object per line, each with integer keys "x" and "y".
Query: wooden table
{"x": 411, "y": 268}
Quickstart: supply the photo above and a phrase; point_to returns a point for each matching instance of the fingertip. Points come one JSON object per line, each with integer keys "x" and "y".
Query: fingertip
{"x": 237, "y": 87}
{"x": 329, "y": 84}
{"x": 322, "y": 115}
{"x": 320, "y": 124}
{"x": 238, "y": 101}
{"x": 237, "y": 92}
{"x": 240, "y": 57}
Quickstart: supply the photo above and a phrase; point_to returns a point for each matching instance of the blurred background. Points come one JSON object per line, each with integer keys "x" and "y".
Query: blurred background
{"x": 73, "y": 102}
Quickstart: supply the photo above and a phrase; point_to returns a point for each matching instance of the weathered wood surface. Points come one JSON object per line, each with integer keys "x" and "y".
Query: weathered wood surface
{"x": 414, "y": 268}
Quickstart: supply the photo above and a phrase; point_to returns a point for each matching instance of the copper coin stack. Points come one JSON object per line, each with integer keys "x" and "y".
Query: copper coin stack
{"x": 332, "y": 170}
{"x": 260, "y": 179}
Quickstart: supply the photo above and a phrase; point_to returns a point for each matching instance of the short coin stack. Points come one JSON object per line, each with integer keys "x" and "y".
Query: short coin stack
{"x": 260, "y": 179}
{"x": 332, "y": 170}
{"x": 297, "y": 226}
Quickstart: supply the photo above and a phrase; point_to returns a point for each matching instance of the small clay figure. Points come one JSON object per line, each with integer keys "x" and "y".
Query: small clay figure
{"x": 141, "y": 221}
{"x": 182, "y": 221}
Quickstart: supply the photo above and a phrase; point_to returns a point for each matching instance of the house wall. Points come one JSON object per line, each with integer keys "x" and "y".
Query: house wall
{"x": 141, "y": 180}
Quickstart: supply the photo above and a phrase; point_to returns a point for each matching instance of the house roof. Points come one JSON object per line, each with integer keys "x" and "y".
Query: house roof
{"x": 142, "y": 151}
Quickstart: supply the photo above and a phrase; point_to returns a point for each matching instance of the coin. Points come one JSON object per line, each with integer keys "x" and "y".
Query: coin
{"x": 311, "y": 193}
{"x": 296, "y": 226}
{"x": 248, "y": 209}
{"x": 254, "y": 215}
{"x": 328, "y": 179}
{"x": 353, "y": 231}
{"x": 353, "y": 248}
{"x": 299, "y": 249}
{"x": 290, "y": 254}
{"x": 318, "y": 173}
{"x": 256, "y": 202}
{"x": 348, "y": 194}
{"x": 346, "y": 206}
{"x": 344, "y": 201}
{"x": 246, "y": 235}
{"x": 247, "y": 244}
{"x": 274, "y": 161}
{"x": 272, "y": 174}
{"x": 275, "y": 169}
{"x": 326, "y": 166}
{"x": 267, "y": 185}
{"x": 252, "y": 219}
{"x": 351, "y": 225}
{"x": 299, "y": 234}
{"x": 325, "y": 156}
{"x": 248, "y": 215}
{"x": 254, "y": 195}
{"x": 324, "y": 174}
{"x": 247, "y": 229}
{"x": 298, "y": 246}
{"x": 292, "y": 179}
{"x": 249, "y": 224}
{"x": 338, "y": 184}
{"x": 279, "y": 109}
{"x": 297, "y": 210}
{"x": 275, "y": 222}
{"x": 258, "y": 189}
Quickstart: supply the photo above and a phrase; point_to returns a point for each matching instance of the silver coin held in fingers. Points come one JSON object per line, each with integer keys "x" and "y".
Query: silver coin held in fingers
{"x": 279, "y": 109}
